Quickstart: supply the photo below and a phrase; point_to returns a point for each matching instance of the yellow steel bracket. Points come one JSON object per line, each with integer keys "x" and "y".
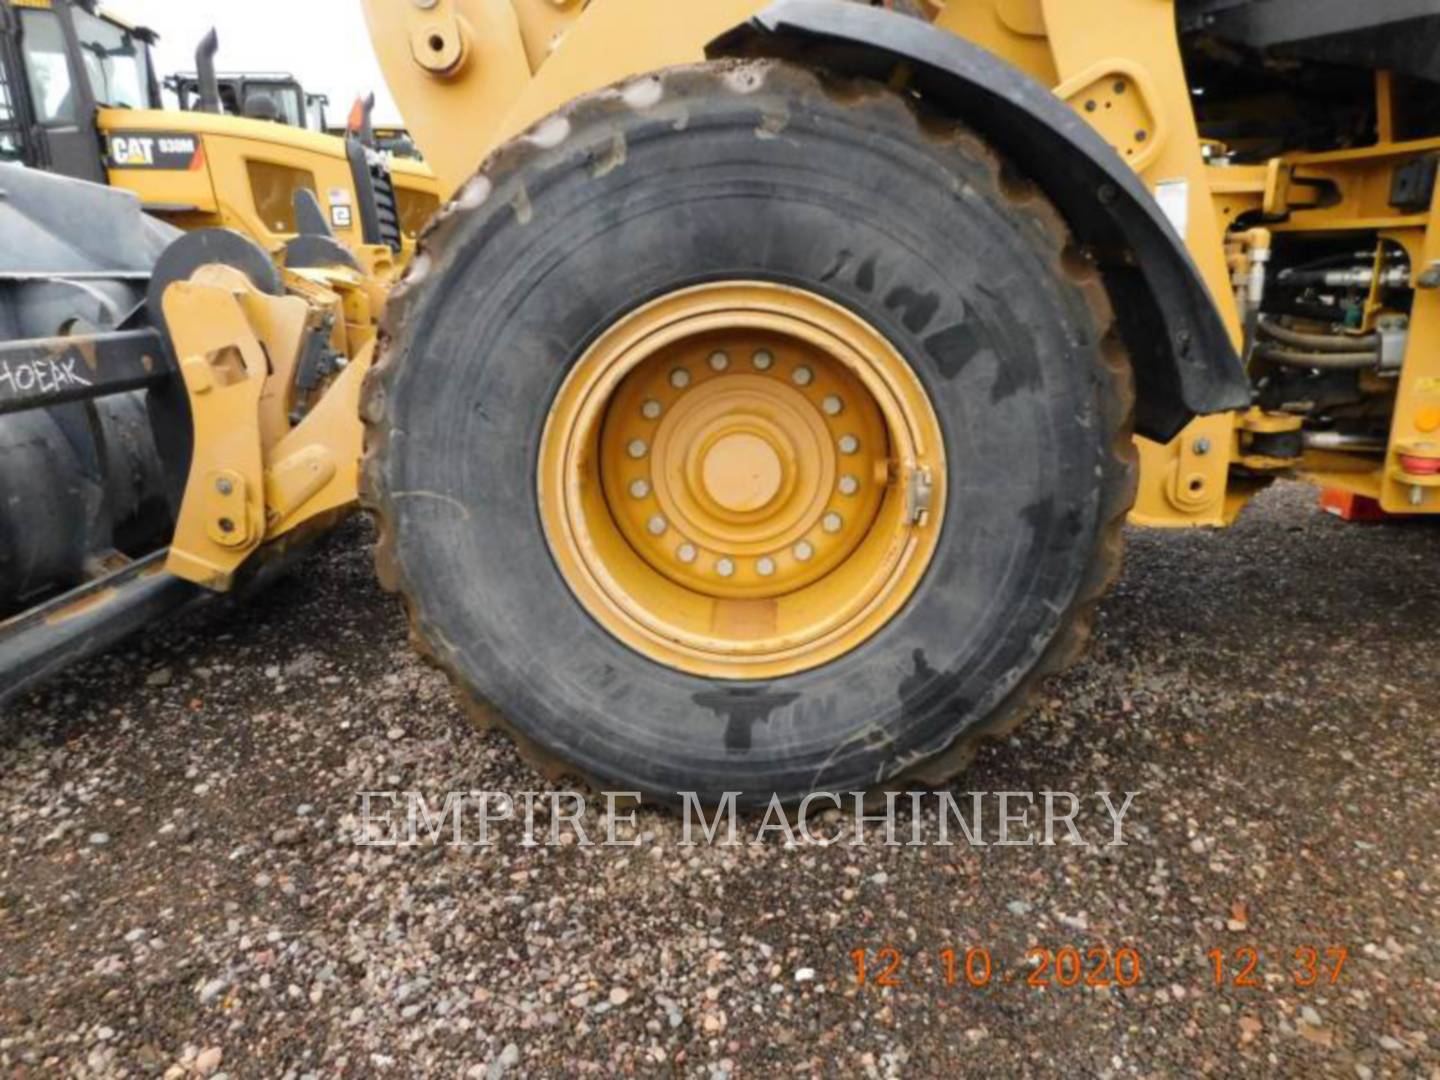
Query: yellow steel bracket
{"x": 255, "y": 474}
{"x": 224, "y": 367}
{"x": 1120, "y": 100}
{"x": 314, "y": 470}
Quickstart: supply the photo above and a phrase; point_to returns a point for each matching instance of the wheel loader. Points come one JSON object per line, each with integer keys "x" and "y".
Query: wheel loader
{"x": 79, "y": 95}
{"x": 761, "y": 412}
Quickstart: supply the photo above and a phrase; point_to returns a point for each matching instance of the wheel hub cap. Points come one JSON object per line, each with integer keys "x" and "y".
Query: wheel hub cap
{"x": 741, "y": 472}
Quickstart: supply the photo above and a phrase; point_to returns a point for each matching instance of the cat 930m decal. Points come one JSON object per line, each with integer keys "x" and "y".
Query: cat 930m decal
{"x": 154, "y": 150}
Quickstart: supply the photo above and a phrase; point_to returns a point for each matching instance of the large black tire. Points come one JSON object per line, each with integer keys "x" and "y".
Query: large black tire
{"x": 752, "y": 171}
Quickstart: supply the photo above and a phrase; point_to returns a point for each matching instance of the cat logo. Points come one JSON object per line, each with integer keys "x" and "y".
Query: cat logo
{"x": 136, "y": 150}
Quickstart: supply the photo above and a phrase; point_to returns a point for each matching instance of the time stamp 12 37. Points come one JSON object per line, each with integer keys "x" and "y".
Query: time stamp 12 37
{"x": 1094, "y": 967}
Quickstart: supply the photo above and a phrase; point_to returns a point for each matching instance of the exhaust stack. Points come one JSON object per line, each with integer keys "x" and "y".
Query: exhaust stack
{"x": 209, "y": 85}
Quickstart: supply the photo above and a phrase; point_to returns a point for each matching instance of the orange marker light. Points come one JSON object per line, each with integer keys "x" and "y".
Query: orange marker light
{"x": 1428, "y": 419}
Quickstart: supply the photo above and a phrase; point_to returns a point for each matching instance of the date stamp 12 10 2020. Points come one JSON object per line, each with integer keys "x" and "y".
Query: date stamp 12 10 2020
{"x": 1093, "y": 967}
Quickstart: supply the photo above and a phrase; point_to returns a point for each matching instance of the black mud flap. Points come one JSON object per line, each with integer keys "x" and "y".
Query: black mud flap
{"x": 1185, "y": 362}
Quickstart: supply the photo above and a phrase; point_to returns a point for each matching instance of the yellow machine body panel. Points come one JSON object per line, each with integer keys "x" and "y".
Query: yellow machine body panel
{"x": 198, "y": 170}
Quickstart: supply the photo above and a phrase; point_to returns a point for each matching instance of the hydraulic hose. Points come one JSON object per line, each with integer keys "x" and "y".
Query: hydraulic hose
{"x": 1330, "y": 361}
{"x": 1337, "y": 343}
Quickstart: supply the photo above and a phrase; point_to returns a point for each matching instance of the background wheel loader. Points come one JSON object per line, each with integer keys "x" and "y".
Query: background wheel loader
{"x": 763, "y": 414}
{"x": 79, "y": 95}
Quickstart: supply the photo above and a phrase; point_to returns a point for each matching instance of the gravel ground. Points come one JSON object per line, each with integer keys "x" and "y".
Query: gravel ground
{"x": 181, "y": 893}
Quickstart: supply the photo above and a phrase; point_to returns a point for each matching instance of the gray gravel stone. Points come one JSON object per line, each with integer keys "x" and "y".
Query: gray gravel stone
{"x": 1269, "y": 692}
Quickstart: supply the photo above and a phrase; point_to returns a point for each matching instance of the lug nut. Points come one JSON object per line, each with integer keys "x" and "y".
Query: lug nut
{"x": 719, "y": 360}
{"x": 679, "y": 378}
{"x": 639, "y": 489}
{"x": 651, "y": 410}
{"x": 849, "y": 485}
{"x": 765, "y": 567}
{"x": 849, "y": 444}
{"x": 832, "y": 523}
{"x": 725, "y": 567}
{"x": 833, "y": 406}
{"x": 657, "y": 525}
{"x": 804, "y": 551}
{"x": 686, "y": 553}
{"x": 763, "y": 360}
{"x": 638, "y": 449}
{"x": 802, "y": 376}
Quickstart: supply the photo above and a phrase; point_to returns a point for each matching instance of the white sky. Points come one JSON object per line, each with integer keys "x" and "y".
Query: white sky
{"x": 323, "y": 43}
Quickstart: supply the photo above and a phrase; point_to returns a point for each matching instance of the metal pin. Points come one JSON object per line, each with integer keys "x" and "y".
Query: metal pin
{"x": 765, "y": 567}
{"x": 849, "y": 485}
{"x": 657, "y": 525}
{"x": 802, "y": 376}
{"x": 804, "y": 551}
{"x": 679, "y": 378}
{"x": 763, "y": 360}
{"x": 832, "y": 523}
{"x": 849, "y": 444}
{"x": 725, "y": 567}
{"x": 639, "y": 489}
{"x": 686, "y": 553}
{"x": 651, "y": 410}
{"x": 638, "y": 448}
{"x": 720, "y": 360}
{"x": 833, "y": 406}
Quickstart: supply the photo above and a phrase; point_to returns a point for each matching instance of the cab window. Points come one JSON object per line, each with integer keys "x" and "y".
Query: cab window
{"x": 47, "y": 69}
{"x": 315, "y": 112}
{"x": 274, "y": 101}
{"x": 116, "y": 62}
{"x": 10, "y": 148}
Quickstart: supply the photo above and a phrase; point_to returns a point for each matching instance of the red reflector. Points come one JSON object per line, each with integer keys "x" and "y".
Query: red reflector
{"x": 1420, "y": 466}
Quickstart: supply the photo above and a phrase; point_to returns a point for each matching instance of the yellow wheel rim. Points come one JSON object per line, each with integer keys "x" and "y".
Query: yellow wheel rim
{"x": 742, "y": 480}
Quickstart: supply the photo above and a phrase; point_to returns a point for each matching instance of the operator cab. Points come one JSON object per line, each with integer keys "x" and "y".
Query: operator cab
{"x": 276, "y": 97}
{"x": 61, "y": 61}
